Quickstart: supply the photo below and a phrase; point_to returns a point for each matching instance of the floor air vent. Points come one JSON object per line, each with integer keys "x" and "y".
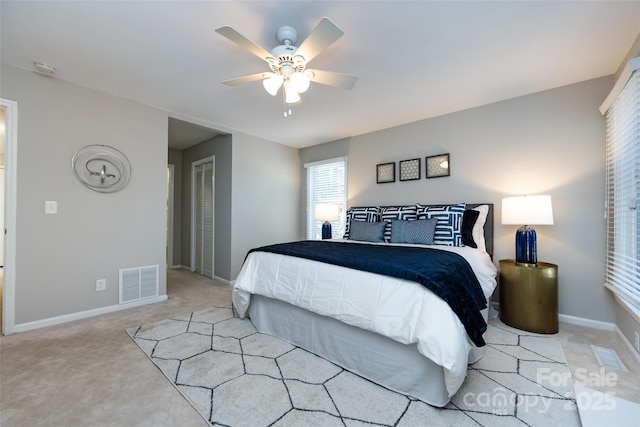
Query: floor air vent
{"x": 138, "y": 283}
{"x": 608, "y": 357}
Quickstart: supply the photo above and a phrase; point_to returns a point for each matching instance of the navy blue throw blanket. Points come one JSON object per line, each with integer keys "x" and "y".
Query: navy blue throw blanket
{"x": 446, "y": 274}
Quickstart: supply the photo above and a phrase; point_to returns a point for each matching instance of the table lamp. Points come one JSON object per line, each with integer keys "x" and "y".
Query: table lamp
{"x": 527, "y": 211}
{"x": 327, "y": 212}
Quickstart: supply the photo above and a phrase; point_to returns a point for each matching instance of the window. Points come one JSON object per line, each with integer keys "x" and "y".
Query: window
{"x": 622, "y": 114}
{"x": 326, "y": 183}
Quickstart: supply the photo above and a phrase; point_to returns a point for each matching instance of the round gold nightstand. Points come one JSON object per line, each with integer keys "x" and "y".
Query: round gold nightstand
{"x": 529, "y": 296}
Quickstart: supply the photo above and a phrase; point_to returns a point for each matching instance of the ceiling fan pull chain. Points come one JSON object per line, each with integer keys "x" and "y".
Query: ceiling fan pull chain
{"x": 284, "y": 105}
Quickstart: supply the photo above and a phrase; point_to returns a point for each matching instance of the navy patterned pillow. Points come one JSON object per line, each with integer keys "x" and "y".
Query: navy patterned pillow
{"x": 449, "y": 226}
{"x": 368, "y": 214}
{"x": 389, "y": 213}
{"x": 367, "y": 231}
{"x": 419, "y": 232}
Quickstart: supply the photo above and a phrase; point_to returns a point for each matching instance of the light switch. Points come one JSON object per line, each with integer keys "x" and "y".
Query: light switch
{"x": 51, "y": 207}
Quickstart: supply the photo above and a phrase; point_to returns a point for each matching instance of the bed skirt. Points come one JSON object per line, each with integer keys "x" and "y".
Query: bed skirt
{"x": 391, "y": 364}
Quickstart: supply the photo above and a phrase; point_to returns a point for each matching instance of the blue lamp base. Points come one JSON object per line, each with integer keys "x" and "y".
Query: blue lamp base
{"x": 526, "y": 247}
{"x": 326, "y": 230}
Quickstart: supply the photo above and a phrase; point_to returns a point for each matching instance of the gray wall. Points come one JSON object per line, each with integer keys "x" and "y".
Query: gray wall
{"x": 220, "y": 147}
{"x": 265, "y": 195}
{"x": 546, "y": 143}
{"x": 59, "y": 257}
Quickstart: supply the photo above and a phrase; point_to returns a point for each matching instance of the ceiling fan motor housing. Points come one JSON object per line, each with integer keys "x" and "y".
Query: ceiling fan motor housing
{"x": 286, "y": 35}
{"x": 284, "y": 57}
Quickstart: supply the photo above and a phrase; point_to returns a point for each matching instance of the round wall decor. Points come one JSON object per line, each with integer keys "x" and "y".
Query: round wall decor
{"x": 101, "y": 168}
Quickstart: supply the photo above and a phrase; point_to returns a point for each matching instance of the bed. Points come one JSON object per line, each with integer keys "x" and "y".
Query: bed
{"x": 397, "y": 331}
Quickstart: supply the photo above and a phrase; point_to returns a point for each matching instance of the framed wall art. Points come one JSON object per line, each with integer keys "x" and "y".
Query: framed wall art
{"x": 438, "y": 166}
{"x": 386, "y": 172}
{"x": 409, "y": 169}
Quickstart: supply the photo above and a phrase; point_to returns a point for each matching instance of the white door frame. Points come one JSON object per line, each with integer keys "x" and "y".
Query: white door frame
{"x": 211, "y": 159}
{"x": 170, "y": 207}
{"x": 11, "y": 161}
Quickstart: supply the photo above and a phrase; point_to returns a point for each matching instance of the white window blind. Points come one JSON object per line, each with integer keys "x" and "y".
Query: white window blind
{"x": 622, "y": 267}
{"x": 326, "y": 183}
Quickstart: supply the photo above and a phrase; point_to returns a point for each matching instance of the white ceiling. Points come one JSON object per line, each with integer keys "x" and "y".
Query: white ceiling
{"x": 414, "y": 59}
{"x": 185, "y": 134}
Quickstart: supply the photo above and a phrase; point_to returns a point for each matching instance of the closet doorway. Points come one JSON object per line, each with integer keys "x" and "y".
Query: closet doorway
{"x": 8, "y": 158}
{"x": 170, "y": 208}
{"x": 202, "y": 216}
{"x": 2, "y": 144}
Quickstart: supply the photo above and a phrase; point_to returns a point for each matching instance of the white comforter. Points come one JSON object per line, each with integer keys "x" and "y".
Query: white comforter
{"x": 402, "y": 310}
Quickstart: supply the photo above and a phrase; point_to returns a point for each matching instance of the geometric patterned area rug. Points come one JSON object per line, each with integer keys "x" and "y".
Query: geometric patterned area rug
{"x": 236, "y": 376}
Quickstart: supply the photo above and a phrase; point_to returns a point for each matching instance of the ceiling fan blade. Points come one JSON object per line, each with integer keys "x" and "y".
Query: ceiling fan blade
{"x": 247, "y": 79}
{"x": 325, "y": 33}
{"x": 242, "y": 41}
{"x": 345, "y": 81}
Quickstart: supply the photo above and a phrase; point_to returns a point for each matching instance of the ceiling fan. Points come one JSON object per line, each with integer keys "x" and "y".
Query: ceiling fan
{"x": 288, "y": 63}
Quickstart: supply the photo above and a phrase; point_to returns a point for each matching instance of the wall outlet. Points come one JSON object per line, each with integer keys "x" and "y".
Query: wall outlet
{"x": 101, "y": 285}
{"x": 637, "y": 342}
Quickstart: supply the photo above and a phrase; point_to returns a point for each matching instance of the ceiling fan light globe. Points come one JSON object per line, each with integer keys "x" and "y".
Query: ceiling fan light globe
{"x": 300, "y": 82}
{"x": 291, "y": 96}
{"x": 272, "y": 84}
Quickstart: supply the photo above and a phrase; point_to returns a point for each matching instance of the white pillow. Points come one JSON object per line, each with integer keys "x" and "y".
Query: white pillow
{"x": 478, "y": 227}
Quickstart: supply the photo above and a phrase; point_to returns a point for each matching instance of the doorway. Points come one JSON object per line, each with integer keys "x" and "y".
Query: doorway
{"x": 170, "y": 207}
{"x": 2, "y": 144}
{"x": 8, "y": 158}
{"x": 202, "y": 216}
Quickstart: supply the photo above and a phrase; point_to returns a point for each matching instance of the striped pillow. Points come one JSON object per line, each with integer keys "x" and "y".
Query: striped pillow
{"x": 449, "y": 227}
{"x": 368, "y": 214}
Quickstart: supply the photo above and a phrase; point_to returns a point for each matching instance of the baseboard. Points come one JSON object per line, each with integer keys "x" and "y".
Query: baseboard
{"x": 175, "y": 267}
{"x": 220, "y": 279}
{"x": 574, "y": 320}
{"x": 37, "y": 324}
{"x": 596, "y": 324}
{"x": 624, "y": 339}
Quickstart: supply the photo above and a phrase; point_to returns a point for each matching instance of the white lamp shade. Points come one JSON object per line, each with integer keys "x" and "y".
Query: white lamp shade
{"x": 272, "y": 84}
{"x": 527, "y": 210}
{"x": 327, "y": 212}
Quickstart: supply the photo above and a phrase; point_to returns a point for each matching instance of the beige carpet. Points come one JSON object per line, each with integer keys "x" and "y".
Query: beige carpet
{"x": 236, "y": 376}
